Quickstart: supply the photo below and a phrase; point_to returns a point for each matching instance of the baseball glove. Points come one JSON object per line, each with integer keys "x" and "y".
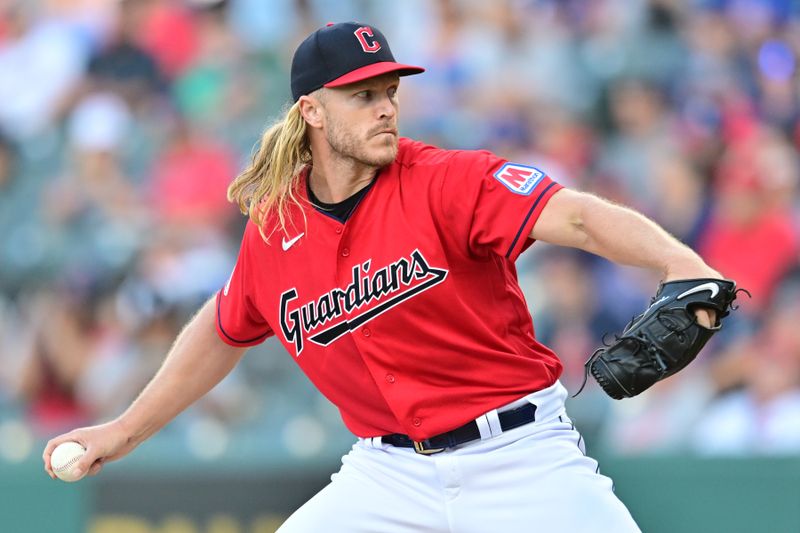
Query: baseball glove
{"x": 662, "y": 340}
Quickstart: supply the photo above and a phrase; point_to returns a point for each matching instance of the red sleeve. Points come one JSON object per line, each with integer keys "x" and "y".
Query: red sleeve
{"x": 238, "y": 321}
{"x": 493, "y": 204}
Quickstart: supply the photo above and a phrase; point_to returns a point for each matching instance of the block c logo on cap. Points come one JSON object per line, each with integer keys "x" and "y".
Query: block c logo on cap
{"x": 519, "y": 179}
{"x": 361, "y": 34}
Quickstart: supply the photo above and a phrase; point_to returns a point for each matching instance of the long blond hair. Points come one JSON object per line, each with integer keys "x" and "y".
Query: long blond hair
{"x": 269, "y": 183}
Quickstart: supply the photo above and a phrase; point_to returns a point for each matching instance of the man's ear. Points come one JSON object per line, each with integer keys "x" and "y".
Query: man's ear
{"x": 311, "y": 110}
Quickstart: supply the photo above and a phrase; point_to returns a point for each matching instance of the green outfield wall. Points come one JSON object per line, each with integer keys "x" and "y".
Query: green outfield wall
{"x": 665, "y": 495}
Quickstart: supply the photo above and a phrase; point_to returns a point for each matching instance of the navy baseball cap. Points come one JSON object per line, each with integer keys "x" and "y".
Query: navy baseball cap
{"x": 343, "y": 53}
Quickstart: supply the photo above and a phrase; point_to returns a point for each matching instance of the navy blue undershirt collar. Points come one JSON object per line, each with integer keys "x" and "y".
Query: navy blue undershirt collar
{"x": 341, "y": 211}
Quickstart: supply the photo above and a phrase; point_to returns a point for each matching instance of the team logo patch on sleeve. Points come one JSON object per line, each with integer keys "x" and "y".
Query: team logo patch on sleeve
{"x": 519, "y": 179}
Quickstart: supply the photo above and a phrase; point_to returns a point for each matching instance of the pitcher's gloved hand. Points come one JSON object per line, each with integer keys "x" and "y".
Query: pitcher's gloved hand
{"x": 663, "y": 339}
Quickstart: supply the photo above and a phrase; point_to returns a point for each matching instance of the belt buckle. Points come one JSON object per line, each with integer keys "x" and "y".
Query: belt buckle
{"x": 419, "y": 447}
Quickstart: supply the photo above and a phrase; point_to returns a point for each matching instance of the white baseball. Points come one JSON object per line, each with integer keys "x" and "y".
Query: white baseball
{"x": 64, "y": 459}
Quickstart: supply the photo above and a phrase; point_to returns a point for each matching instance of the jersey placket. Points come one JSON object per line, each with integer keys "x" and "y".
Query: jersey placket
{"x": 364, "y": 337}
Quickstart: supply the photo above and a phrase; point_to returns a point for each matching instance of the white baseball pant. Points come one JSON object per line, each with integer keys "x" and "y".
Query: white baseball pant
{"x": 535, "y": 478}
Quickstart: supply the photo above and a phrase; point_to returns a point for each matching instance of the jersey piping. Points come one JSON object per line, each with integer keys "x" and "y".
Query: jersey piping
{"x": 528, "y": 216}
{"x": 222, "y": 329}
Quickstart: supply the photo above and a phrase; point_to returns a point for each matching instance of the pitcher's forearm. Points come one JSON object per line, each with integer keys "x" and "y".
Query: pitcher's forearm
{"x": 626, "y": 237}
{"x": 196, "y": 363}
{"x": 618, "y": 234}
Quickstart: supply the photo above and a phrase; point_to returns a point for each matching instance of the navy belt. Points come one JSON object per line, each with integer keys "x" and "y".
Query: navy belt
{"x": 513, "y": 418}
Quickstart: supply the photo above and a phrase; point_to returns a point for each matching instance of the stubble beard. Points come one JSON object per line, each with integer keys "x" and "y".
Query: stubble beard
{"x": 348, "y": 146}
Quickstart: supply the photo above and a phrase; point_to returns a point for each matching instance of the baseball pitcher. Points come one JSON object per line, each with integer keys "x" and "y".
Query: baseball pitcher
{"x": 385, "y": 267}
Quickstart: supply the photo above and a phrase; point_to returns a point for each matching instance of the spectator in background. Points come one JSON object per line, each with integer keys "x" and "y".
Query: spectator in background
{"x": 168, "y": 32}
{"x": 41, "y": 61}
{"x": 122, "y": 65}
{"x": 760, "y": 413}
{"x": 753, "y": 234}
{"x": 572, "y": 326}
{"x": 266, "y": 24}
{"x": 643, "y": 131}
{"x": 189, "y": 181}
{"x": 683, "y": 200}
{"x": 574, "y": 320}
{"x": 223, "y": 92}
{"x": 77, "y": 362}
{"x": 178, "y": 267}
{"x": 94, "y": 211}
{"x": 565, "y": 144}
{"x": 57, "y": 356}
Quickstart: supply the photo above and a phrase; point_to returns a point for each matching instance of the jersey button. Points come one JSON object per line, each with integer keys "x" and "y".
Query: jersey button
{"x": 339, "y": 230}
{"x": 417, "y": 422}
{"x": 366, "y": 332}
{"x": 345, "y": 252}
{"x": 390, "y": 378}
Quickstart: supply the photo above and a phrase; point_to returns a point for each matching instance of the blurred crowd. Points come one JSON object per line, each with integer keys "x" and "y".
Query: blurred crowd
{"x": 122, "y": 122}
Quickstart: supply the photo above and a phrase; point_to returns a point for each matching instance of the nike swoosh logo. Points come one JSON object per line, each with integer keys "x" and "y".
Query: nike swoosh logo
{"x": 288, "y": 244}
{"x": 658, "y": 301}
{"x": 713, "y": 287}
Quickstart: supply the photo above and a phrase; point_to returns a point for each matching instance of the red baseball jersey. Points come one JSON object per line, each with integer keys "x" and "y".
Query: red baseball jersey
{"x": 408, "y": 316}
